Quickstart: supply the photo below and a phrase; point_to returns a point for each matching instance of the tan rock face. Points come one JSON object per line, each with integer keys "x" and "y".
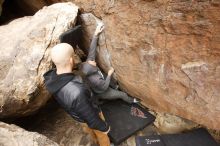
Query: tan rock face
{"x": 12, "y": 135}
{"x": 166, "y": 53}
{"x": 24, "y": 56}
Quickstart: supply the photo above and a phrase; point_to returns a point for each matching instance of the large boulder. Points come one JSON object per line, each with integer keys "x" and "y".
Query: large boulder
{"x": 12, "y": 135}
{"x": 164, "y": 52}
{"x": 24, "y": 56}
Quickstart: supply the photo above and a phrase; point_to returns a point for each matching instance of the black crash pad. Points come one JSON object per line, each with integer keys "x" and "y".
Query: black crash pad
{"x": 198, "y": 137}
{"x": 73, "y": 36}
{"x": 125, "y": 119}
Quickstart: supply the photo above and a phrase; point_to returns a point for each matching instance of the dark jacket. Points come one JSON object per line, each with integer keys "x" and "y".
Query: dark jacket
{"x": 70, "y": 92}
{"x": 95, "y": 78}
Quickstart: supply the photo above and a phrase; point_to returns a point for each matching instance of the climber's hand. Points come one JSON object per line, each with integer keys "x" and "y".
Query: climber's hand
{"x": 110, "y": 72}
{"x": 100, "y": 27}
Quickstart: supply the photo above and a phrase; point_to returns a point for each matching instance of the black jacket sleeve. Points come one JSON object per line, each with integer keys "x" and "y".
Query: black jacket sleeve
{"x": 89, "y": 114}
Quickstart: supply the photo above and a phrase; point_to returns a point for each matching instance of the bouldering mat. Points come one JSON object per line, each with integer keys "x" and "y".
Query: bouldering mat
{"x": 125, "y": 119}
{"x": 73, "y": 36}
{"x": 198, "y": 137}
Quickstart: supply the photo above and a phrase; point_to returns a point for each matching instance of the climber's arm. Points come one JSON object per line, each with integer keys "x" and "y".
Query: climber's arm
{"x": 92, "y": 49}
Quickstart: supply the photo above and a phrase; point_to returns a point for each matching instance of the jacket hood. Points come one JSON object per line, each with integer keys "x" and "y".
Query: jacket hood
{"x": 88, "y": 69}
{"x": 55, "y": 82}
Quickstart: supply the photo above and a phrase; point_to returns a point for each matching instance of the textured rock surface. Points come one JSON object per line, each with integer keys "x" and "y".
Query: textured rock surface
{"x": 24, "y": 56}
{"x": 11, "y": 135}
{"x": 166, "y": 53}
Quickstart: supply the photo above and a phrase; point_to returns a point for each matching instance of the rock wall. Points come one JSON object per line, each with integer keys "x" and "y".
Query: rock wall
{"x": 24, "y": 56}
{"x": 165, "y": 52}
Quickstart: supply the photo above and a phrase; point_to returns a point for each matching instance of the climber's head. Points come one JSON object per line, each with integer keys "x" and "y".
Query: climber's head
{"x": 62, "y": 56}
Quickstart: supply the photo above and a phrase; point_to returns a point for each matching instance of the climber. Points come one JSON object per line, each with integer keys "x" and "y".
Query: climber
{"x": 73, "y": 95}
{"x": 95, "y": 78}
